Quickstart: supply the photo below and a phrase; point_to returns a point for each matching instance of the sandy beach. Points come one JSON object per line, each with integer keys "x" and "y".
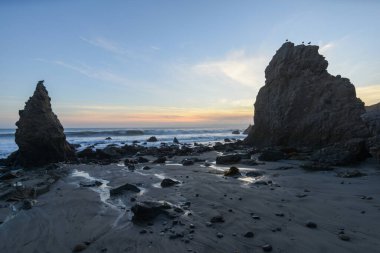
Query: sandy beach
{"x": 72, "y": 217}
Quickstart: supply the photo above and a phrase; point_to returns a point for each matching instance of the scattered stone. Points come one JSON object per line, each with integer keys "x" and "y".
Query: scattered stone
{"x": 249, "y": 235}
{"x": 219, "y": 235}
{"x": 217, "y": 219}
{"x": 311, "y": 224}
{"x": 142, "y": 160}
{"x": 344, "y": 237}
{"x": 350, "y": 174}
{"x": 152, "y": 139}
{"x": 27, "y": 204}
{"x": 108, "y": 138}
{"x": 232, "y": 172}
{"x": 236, "y": 132}
{"x": 90, "y": 183}
{"x": 121, "y": 189}
{"x": 148, "y": 210}
{"x": 144, "y": 231}
{"x": 267, "y": 247}
{"x": 175, "y": 140}
{"x": 228, "y": 159}
{"x": 167, "y": 182}
{"x": 187, "y": 162}
{"x": 80, "y": 247}
{"x": 161, "y": 159}
{"x": 146, "y": 168}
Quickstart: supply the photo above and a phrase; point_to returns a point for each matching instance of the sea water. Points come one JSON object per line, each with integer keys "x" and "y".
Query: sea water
{"x": 86, "y": 137}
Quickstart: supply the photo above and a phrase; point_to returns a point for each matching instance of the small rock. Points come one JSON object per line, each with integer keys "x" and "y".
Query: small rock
{"x": 161, "y": 159}
{"x": 232, "y": 172}
{"x": 217, "y": 219}
{"x": 167, "y": 182}
{"x": 311, "y": 224}
{"x": 219, "y": 235}
{"x": 344, "y": 237}
{"x": 248, "y": 235}
{"x": 267, "y": 247}
{"x": 79, "y": 247}
{"x": 152, "y": 139}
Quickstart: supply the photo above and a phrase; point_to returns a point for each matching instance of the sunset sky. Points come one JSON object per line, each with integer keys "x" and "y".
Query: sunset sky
{"x": 172, "y": 63}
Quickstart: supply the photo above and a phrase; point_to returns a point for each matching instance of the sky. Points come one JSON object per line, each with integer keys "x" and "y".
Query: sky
{"x": 172, "y": 63}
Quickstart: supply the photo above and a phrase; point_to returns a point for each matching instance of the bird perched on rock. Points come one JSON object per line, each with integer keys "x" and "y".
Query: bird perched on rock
{"x": 303, "y": 42}
{"x": 287, "y": 40}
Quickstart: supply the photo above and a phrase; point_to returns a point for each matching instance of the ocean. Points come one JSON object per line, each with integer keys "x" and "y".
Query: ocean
{"x": 120, "y": 136}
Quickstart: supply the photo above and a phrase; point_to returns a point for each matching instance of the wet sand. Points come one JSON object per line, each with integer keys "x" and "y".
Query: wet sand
{"x": 276, "y": 213}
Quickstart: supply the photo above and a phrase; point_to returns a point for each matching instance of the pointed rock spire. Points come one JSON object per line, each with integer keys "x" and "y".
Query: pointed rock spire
{"x": 39, "y": 134}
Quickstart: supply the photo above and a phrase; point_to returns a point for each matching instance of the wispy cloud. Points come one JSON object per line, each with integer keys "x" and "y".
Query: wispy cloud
{"x": 323, "y": 48}
{"x": 237, "y": 66}
{"x": 99, "y": 74}
{"x": 106, "y": 44}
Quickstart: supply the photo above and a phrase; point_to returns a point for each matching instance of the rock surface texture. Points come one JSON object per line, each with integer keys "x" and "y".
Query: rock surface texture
{"x": 301, "y": 104}
{"x": 39, "y": 133}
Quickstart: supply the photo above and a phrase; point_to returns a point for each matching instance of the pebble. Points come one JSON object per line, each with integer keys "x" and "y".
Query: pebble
{"x": 144, "y": 231}
{"x": 248, "y": 234}
{"x": 219, "y": 235}
{"x": 79, "y": 247}
{"x": 311, "y": 224}
{"x": 344, "y": 237}
{"x": 267, "y": 247}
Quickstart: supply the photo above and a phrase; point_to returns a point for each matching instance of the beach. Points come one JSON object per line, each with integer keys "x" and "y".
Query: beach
{"x": 284, "y": 207}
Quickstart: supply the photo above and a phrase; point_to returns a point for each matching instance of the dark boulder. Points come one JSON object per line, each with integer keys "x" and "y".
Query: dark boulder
{"x": 175, "y": 140}
{"x": 124, "y": 188}
{"x": 161, "y": 159}
{"x": 232, "y": 172}
{"x": 167, "y": 182}
{"x": 228, "y": 159}
{"x": 342, "y": 153}
{"x": 236, "y": 132}
{"x": 152, "y": 139}
{"x": 147, "y": 211}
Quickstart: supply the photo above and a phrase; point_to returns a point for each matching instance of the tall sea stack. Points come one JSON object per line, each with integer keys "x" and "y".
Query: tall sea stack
{"x": 301, "y": 104}
{"x": 39, "y": 133}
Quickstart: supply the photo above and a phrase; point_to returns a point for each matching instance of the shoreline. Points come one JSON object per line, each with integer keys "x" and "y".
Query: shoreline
{"x": 276, "y": 213}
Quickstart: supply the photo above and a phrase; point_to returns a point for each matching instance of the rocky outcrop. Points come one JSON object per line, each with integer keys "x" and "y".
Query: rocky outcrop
{"x": 301, "y": 104}
{"x": 39, "y": 134}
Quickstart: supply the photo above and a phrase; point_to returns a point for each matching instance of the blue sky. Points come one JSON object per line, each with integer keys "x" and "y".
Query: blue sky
{"x": 172, "y": 63}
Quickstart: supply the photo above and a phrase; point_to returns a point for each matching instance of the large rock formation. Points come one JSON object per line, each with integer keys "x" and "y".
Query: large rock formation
{"x": 39, "y": 133}
{"x": 301, "y": 104}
